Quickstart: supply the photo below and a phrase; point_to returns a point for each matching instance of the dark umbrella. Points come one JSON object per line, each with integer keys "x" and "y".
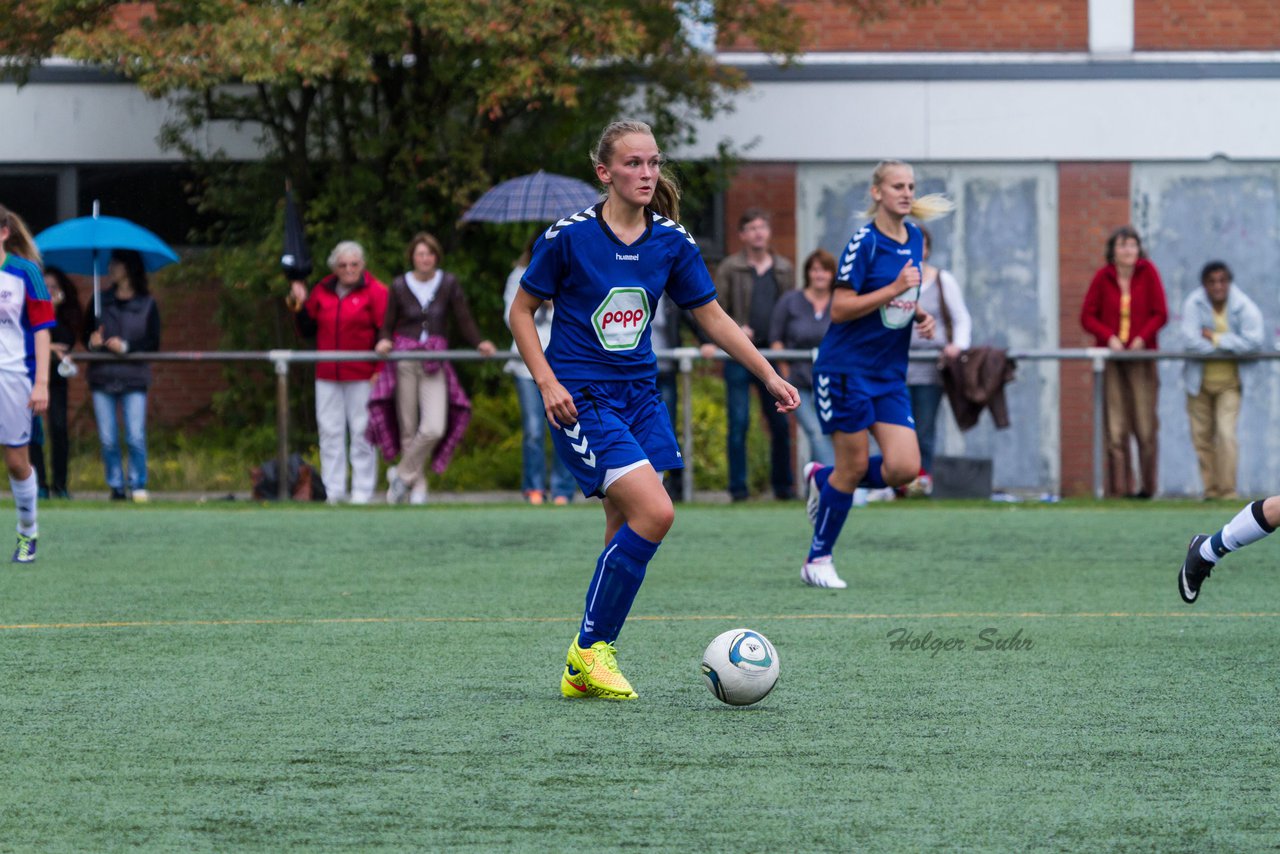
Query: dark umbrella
{"x": 296, "y": 260}
{"x": 540, "y": 197}
{"x": 83, "y": 245}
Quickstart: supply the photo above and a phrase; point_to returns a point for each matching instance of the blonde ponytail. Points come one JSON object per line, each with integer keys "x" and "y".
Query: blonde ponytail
{"x": 666, "y": 191}
{"x": 19, "y": 242}
{"x": 924, "y": 208}
{"x": 931, "y": 206}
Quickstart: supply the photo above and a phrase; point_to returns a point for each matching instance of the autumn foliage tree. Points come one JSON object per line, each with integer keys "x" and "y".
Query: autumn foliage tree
{"x": 392, "y": 116}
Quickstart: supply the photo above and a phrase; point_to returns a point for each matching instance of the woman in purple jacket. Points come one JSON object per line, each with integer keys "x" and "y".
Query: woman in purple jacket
{"x": 418, "y": 311}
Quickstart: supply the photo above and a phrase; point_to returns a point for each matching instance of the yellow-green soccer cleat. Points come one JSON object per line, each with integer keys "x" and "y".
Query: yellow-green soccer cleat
{"x": 25, "y": 552}
{"x": 594, "y": 673}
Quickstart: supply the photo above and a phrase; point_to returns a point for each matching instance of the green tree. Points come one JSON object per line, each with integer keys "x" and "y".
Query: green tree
{"x": 392, "y": 116}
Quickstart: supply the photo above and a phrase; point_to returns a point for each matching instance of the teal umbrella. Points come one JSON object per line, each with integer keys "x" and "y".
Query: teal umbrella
{"x": 84, "y": 244}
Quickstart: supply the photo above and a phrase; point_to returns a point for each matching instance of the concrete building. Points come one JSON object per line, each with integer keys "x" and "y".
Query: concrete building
{"x": 1050, "y": 123}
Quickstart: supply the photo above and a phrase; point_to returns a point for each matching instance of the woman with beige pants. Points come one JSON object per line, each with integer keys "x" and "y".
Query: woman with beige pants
{"x": 418, "y": 312}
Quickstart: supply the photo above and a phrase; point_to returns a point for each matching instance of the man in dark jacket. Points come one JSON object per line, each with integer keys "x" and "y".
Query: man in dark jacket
{"x": 748, "y": 285}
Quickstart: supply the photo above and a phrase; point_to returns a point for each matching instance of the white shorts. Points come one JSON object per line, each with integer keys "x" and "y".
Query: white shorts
{"x": 15, "y": 413}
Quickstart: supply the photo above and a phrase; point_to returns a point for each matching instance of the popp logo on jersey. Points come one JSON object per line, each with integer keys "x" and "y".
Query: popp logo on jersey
{"x": 621, "y": 318}
{"x": 901, "y": 310}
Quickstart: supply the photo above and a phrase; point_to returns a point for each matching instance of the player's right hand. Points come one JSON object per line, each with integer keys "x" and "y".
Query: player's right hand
{"x": 557, "y": 401}
{"x": 908, "y": 277}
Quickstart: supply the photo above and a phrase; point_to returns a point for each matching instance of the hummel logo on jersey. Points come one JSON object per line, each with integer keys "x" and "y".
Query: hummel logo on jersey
{"x": 588, "y": 457}
{"x": 823, "y": 388}
{"x": 620, "y": 257}
{"x": 670, "y": 223}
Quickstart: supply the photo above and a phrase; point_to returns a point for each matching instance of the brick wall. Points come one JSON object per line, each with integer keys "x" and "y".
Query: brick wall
{"x": 1206, "y": 25}
{"x": 1093, "y": 200}
{"x": 771, "y": 186}
{"x": 181, "y": 392}
{"x": 948, "y": 25}
{"x": 129, "y": 16}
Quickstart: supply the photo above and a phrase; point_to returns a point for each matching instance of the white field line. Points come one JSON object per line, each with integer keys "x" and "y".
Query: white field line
{"x": 937, "y": 615}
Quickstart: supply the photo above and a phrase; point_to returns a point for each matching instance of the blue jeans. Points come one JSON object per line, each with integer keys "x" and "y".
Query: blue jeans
{"x": 133, "y": 404}
{"x": 925, "y": 400}
{"x": 533, "y": 419}
{"x": 820, "y": 449}
{"x": 738, "y": 382}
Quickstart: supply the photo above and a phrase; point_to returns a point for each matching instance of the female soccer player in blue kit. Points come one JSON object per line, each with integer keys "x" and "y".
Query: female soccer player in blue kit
{"x": 606, "y": 268}
{"x": 860, "y": 375}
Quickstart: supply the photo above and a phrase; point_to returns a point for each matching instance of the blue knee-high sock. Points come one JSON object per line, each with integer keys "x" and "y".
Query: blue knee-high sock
{"x": 821, "y": 476}
{"x": 833, "y": 509}
{"x": 874, "y": 478}
{"x": 619, "y": 572}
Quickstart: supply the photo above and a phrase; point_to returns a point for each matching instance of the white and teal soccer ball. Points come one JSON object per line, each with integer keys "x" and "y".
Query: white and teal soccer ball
{"x": 740, "y": 667}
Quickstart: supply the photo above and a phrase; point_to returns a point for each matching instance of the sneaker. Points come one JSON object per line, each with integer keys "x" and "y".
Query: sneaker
{"x": 360, "y": 499}
{"x": 25, "y": 552}
{"x": 534, "y": 497}
{"x": 418, "y": 495}
{"x": 821, "y": 572}
{"x": 117, "y": 494}
{"x": 560, "y": 501}
{"x": 1195, "y": 569}
{"x": 140, "y": 496}
{"x": 594, "y": 673}
{"x": 921, "y": 487}
{"x": 883, "y": 494}
{"x": 398, "y": 489}
{"x": 811, "y": 492}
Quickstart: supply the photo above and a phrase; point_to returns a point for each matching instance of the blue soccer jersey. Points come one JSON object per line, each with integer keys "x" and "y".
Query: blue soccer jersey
{"x": 605, "y": 292}
{"x": 872, "y": 350}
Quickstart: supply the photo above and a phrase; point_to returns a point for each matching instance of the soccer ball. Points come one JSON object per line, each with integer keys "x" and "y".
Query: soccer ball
{"x": 740, "y": 667}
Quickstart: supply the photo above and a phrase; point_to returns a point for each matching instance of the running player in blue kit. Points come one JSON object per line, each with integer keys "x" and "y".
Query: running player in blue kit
{"x": 860, "y": 375}
{"x": 606, "y": 268}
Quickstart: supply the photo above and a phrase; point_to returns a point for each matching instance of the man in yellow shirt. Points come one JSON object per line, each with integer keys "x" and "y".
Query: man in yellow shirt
{"x": 1218, "y": 318}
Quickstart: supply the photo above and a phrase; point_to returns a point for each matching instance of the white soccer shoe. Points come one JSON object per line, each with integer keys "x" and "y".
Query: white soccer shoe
{"x": 811, "y": 492}
{"x": 821, "y": 572}
{"x": 397, "y": 489}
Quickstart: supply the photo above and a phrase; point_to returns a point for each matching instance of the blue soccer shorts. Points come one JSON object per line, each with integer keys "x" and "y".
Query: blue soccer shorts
{"x": 619, "y": 423}
{"x": 845, "y": 406}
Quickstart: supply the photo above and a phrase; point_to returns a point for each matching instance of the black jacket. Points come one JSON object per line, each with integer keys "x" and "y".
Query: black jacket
{"x": 137, "y": 321}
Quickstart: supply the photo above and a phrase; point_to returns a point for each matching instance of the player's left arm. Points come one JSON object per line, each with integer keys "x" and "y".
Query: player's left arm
{"x": 39, "y": 401}
{"x": 728, "y": 336}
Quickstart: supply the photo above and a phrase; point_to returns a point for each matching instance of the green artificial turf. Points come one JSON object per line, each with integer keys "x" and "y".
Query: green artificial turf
{"x": 244, "y": 678}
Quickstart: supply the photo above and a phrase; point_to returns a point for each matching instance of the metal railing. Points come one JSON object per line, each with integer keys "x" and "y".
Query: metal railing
{"x": 684, "y": 358}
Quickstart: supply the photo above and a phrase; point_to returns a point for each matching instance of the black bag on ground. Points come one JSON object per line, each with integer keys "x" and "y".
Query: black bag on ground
{"x": 303, "y": 485}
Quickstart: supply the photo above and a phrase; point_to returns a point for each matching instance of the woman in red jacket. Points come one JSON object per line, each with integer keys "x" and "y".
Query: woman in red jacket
{"x": 1125, "y": 309}
{"x": 344, "y": 312}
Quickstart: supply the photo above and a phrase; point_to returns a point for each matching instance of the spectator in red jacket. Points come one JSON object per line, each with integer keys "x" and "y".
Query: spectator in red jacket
{"x": 1125, "y": 309}
{"x": 344, "y": 312}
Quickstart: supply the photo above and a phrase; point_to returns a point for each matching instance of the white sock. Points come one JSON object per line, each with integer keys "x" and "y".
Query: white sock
{"x": 1248, "y": 526}
{"x": 24, "y": 495}
{"x": 1245, "y": 528}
